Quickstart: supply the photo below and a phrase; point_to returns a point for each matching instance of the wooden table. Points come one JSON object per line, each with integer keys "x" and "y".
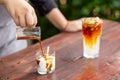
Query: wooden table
{"x": 70, "y": 65}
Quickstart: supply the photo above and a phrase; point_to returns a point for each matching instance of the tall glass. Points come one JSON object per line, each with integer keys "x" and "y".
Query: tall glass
{"x": 91, "y": 29}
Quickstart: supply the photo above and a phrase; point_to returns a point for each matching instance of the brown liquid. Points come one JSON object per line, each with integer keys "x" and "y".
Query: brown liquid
{"x": 91, "y": 32}
{"x": 31, "y": 37}
{"x": 49, "y": 63}
{"x": 38, "y": 61}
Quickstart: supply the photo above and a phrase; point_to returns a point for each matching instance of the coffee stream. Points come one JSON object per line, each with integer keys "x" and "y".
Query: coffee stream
{"x": 31, "y": 37}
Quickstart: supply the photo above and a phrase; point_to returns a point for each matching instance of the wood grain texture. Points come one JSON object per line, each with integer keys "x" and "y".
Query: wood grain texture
{"x": 70, "y": 65}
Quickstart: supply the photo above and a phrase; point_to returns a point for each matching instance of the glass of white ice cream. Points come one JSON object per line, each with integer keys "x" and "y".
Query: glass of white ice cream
{"x": 46, "y": 62}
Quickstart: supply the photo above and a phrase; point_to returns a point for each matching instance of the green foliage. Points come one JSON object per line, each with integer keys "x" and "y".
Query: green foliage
{"x": 108, "y": 9}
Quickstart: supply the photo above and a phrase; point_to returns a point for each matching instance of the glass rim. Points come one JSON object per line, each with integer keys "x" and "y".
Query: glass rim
{"x": 98, "y": 19}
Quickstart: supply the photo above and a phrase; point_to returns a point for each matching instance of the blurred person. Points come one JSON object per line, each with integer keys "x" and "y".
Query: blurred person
{"x": 15, "y": 13}
{"x": 49, "y": 9}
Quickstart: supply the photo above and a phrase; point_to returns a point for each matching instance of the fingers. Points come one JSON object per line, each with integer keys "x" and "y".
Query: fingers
{"x": 35, "y": 18}
{"x": 31, "y": 19}
{"x": 16, "y": 20}
{"x": 28, "y": 20}
{"x": 15, "y": 17}
{"x": 22, "y": 21}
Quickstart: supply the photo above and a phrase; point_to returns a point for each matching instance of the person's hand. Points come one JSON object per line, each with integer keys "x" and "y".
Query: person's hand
{"x": 73, "y": 26}
{"x": 22, "y": 12}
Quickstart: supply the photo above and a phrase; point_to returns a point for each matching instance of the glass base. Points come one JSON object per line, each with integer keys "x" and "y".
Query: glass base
{"x": 91, "y": 56}
{"x": 45, "y": 72}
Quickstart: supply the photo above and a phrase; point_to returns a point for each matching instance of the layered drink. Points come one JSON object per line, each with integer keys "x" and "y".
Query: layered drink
{"x": 91, "y": 29}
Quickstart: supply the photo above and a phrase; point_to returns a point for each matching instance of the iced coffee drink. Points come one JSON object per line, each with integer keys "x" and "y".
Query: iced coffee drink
{"x": 92, "y": 29}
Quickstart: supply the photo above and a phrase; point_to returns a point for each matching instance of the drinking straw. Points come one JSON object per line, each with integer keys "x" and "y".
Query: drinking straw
{"x": 48, "y": 49}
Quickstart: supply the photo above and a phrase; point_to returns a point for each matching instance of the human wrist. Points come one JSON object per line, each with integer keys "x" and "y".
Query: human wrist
{"x": 66, "y": 26}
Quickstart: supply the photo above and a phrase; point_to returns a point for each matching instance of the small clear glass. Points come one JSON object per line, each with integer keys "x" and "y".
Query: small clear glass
{"x": 91, "y": 29}
{"x": 45, "y": 62}
{"x": 28, "y": 33}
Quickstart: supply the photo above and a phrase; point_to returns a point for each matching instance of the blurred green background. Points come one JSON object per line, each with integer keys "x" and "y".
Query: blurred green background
{"x": 75, "y": 9}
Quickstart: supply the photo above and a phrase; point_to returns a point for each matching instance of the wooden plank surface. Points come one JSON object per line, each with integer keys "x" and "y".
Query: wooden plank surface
{"x": 70, "y": 65}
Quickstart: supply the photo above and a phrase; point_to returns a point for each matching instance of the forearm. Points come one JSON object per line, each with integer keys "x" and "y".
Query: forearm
{"x": 57, "y": 18}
